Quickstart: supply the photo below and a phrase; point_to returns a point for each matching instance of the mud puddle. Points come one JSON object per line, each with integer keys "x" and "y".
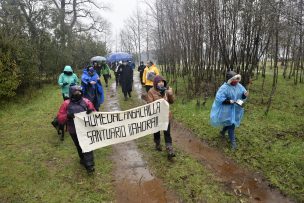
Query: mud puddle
{"x": 133, "y": 180}
{"x": 241, "y": 181}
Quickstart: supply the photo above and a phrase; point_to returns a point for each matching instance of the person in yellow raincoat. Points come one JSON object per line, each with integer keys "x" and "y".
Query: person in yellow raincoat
{"x": 149, "y": 74}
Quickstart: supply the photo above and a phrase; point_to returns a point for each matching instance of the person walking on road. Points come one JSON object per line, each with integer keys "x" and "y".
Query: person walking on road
{"x": 116, "y": 72}
{"x": 149, "y": 74}
{"x": 97, "y": 67}
{"x": 105, "y": 71}
{"x": 126, "y": 79}
{"x": 65, "y": 115}
{"x": 67, "y": 78}
{"x": 227, "y": 111}
{"x": 92, "y": 87}
{"x": 161, "y": 91}
{"x": 141, "y": 69}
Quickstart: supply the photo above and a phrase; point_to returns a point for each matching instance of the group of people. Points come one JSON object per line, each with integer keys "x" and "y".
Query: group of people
{"x": 87, "y": 97}
{"x": 227, "y": 110}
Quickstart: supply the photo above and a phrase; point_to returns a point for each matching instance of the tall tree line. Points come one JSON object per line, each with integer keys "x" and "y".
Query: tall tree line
{"x": 199, "y": 40}
{"x": 39, "y": 37}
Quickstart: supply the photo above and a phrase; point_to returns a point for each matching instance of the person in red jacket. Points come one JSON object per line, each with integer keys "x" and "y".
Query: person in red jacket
{"x": 77, "y": 103}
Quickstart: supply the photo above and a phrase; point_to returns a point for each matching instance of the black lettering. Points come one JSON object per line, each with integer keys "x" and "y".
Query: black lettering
{"x": 103, "y": 118}
{"x": 158, "y": 107}
{"x": 86, "y": 121}
{"x": 90, "y": 136}
{"x": 123, "y": 130}
{"x": 98, "y": 119}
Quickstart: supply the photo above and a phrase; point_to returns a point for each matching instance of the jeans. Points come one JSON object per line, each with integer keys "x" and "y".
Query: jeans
{"x": 231, "y": 134}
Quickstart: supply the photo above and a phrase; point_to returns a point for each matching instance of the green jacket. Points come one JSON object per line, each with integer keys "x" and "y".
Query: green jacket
{"x": 70, "y": 79}
{"x": 105, "y": 70}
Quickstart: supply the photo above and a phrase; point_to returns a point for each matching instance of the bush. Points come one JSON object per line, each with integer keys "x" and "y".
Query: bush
{"x": 9, "y": 73}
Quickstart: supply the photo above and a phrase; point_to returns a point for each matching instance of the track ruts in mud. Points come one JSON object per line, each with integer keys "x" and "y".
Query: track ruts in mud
{"x": 239, "y": 180}
{"x": 132, "y": 179}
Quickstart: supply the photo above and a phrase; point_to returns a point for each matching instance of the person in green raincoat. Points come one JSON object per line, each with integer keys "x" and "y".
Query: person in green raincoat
{"x": 105, "y": 71}
{"x": 67, "y": 78}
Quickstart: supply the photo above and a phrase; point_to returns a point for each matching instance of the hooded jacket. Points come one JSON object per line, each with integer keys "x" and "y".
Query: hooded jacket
{"x": 154, "y": 94}
{"x": 226, "y": 115}
{"x": 149, "y": 70}
{"x": 72, "y": 106}
{"x": 70, "y": 79}
{"x": 92, "y": 92}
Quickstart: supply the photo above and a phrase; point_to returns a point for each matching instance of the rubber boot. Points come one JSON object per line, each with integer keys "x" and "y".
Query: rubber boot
{"x": 233, "y": 145}
{"x": 158, "y": 147}
{"x": 170, "y": 151}
{"x": 222, "y": 134}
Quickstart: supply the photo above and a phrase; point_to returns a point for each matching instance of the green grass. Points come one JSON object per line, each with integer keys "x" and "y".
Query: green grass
{"x": 36, "y": 167}
{"x": 186, "y": 176}
{"x": 272, "y": 144}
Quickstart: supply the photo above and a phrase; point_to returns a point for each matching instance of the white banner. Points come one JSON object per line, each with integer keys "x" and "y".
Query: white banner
{"x": 100, "y": 129}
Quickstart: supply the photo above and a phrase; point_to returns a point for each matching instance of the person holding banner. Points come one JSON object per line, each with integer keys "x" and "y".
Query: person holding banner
{"x": 69, "y": 107}
{"x": 161, "y": 91}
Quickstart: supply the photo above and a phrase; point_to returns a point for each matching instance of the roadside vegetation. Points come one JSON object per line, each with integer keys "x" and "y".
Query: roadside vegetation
{"x": 272, "y": 144}
{"x": 35, "y": 166}
{"x": 187, "y": 177}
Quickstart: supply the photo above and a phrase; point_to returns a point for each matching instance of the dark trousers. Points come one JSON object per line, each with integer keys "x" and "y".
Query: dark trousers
{"x": 64, "y": 97}
{"x": 106, "y": 78}
{"x": 86, "y": 158}
{"x": 231, "y": 134}
{"x": 167, "y": 135}
{"x": 148, "y": 87}
{"x": 126, "y": 93}
{"x": 117, "y": 78}
{"x": 140, "y": 77}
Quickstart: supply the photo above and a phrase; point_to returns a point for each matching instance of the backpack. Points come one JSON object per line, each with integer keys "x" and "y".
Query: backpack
{"x": 59, "y": 128}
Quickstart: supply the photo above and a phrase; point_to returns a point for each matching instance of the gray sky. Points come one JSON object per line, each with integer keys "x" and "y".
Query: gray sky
{"x": 119, "y": 11}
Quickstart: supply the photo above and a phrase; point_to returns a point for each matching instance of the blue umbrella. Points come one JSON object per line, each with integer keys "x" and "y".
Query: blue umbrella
{"x": 119, "y": 56}
{"x": 98, "y": 58}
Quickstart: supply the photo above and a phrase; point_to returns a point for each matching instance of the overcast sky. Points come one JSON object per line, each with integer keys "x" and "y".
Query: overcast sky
{"x": 119, "y": 11}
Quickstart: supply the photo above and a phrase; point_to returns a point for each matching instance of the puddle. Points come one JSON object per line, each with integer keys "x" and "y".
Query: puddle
{"x": 241, "y": 181}
{"x": 132, "y": 178}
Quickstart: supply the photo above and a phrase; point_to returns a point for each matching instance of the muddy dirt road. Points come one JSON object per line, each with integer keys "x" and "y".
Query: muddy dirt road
{"x": 133, "y": 180}
{"x": 239, "y": 180}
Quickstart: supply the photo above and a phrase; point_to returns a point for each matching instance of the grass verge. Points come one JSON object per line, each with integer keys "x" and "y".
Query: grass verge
{"x": 272, "y": 144}
{"x": 36, "y": 167}
{"x": 185, "y": 176}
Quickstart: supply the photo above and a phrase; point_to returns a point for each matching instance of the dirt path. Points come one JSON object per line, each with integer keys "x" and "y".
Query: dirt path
{"x": 241, "y": 181}
{"x": 133, "y": 180}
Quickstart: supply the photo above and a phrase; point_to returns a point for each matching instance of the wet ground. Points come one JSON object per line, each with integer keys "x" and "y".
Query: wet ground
{"x": 243, "y": 182}
{"x": 240, "y": 181}
{"x": 133, "y": 180}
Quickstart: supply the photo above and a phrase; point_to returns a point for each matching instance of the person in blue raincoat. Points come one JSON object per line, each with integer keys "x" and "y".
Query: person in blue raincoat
{"x": 227, "y": 111}
{"x": 92, "y": 87}
{"x": 67, "y": 78}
